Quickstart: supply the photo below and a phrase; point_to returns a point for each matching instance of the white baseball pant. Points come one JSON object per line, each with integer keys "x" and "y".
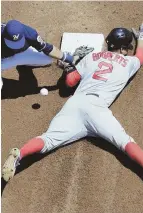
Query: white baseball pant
{"x": 30, "y": 57}
{"x": 81, "y": 116}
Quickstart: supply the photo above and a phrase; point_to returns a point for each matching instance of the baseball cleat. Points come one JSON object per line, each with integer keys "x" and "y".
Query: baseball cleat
{"x": 10, "y": 165}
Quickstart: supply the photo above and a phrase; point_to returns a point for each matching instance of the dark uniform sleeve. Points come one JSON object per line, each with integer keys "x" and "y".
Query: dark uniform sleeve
{"x": 2, "y": 28}
{"x": 35, "y": 40}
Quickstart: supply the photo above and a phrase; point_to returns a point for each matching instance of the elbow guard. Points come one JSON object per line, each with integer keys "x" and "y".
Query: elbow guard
{"x": 72, "y": 78}
{"x": 139, "y": 54}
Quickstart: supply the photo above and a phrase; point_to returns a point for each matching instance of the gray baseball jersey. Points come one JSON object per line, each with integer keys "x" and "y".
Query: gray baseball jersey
{"x": 106, "y": 74}
{"x": 85, "y": 114}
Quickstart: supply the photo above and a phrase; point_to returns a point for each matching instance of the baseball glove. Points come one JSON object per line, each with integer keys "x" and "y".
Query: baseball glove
{"x": 78, "y": 54}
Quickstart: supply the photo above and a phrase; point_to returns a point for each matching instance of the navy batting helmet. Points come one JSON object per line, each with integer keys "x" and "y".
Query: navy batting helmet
{"x": 120, "y": 38}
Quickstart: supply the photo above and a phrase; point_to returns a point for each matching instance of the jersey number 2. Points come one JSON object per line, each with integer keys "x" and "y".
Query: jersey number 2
{"x": 104, "y": 68}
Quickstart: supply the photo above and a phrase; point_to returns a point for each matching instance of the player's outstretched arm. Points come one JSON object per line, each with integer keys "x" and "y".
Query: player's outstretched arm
{"x": 139, "y": 50}
{"x": 79, "y": 53}
{"x": 58, "y": 54}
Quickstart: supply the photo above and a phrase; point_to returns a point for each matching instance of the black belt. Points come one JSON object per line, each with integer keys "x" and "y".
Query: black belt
{"x": 93, "y": 94}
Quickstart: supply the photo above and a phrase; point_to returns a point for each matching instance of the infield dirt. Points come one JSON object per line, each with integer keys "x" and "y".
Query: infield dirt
{"x": 88, "y": 176}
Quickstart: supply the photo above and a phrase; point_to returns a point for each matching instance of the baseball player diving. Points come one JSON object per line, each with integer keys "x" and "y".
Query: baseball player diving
{"x": 22, "y": 45}
{"x": 101, "y": 77}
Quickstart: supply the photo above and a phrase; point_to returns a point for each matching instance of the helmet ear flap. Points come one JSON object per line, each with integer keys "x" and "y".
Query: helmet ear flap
{"x": 110, "y": 46}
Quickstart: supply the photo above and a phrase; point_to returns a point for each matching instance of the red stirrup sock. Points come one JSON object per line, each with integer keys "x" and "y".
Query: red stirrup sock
{"x": 134, "y": 152}
{"x": 32, "y": 146}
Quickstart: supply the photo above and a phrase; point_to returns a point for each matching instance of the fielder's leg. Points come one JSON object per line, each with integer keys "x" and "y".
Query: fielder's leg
{"x": 30, "y": 57}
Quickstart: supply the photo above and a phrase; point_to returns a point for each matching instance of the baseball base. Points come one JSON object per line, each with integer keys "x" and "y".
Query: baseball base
{"x": 70, "y": 41}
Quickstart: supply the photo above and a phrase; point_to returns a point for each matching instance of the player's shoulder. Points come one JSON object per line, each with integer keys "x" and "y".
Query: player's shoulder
{"x": 132, "y": 58}
{"x": 133, "y": 62}
{"x": 29, "y": 32}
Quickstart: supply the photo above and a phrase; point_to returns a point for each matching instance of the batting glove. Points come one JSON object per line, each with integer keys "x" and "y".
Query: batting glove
{"x": 138, "y": 34}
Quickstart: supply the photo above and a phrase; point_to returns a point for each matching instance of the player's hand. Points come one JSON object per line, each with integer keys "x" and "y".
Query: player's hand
{"x": 62, "y": 64}
{"x": 68, "y": 68}
{"x": 137, "y": 33}
{"x": 141, "y": 32}
{"x": 141, "y": 28}
{"x": 80, "y": 53}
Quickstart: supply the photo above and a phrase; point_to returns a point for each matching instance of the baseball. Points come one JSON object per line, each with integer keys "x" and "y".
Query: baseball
{"x": 44, "y": 91}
